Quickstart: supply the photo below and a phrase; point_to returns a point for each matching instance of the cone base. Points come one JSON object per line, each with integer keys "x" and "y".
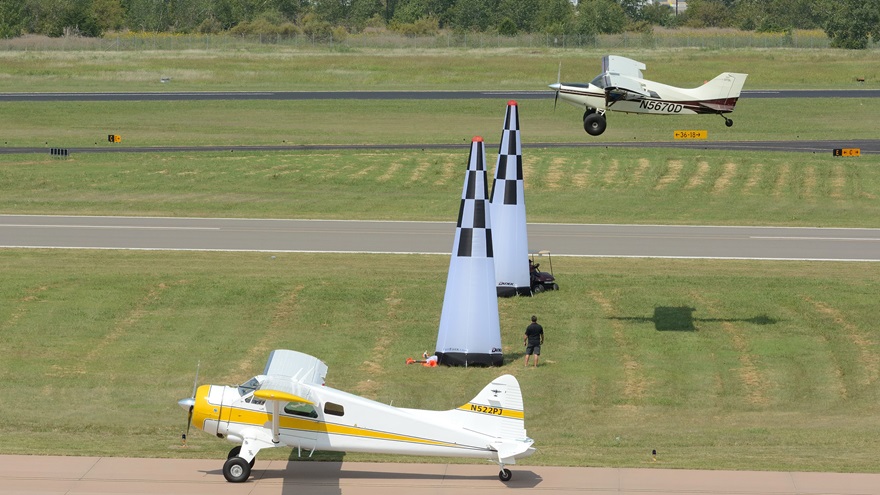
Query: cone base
{"x": 462, "y": 359}
{"x": 507, "y": 291}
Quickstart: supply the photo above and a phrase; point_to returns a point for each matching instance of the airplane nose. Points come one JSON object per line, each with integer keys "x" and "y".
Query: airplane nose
{"x": 556, "y": 86}
{"x": 186, "y": 403}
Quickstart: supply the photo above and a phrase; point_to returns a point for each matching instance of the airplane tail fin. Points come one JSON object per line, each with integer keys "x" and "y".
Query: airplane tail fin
{"x": 721, "y": 92}
{"x": 497, "y": 411}
{"x": 725, "y": 85}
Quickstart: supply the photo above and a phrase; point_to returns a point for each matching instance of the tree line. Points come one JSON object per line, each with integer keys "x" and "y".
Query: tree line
{"x": 848, "y": 23}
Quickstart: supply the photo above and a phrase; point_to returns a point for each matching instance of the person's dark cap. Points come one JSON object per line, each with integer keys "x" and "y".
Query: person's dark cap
{"x": 534, "y": 318}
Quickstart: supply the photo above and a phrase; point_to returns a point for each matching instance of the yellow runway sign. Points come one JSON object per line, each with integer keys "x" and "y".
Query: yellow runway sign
{"x": 691, "y": 134}
{"x": 847, "y": 152}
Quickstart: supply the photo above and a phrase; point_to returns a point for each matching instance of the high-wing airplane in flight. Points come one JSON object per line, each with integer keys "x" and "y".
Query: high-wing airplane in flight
{"x": 621, "y": 88}
{"x": 290, "y": 406}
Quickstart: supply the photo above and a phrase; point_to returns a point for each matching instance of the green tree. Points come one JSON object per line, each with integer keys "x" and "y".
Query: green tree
{"x": 600, "y": 16}
{"x": 474, "y": 15}
{"x": 108, "y": 14}
{"x": 523, "y": 13}
{"x": 853, "y": 23}
{"x": 362, "y": 11}
{"x": 709, "y": 13}
{"x": 556, "y": 17}
{"x": 12, "y": 20}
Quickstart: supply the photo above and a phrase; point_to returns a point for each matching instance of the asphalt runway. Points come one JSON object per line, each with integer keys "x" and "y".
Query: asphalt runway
{"x": 50, "y": 475}
{"x": 382, "y": 95}
{"x": 342, "y": 236}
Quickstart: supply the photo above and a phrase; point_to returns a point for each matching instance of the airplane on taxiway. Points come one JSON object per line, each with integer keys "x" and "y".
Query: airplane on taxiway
{"x": 290, "y": 406}
{"x": 621, "y": 88}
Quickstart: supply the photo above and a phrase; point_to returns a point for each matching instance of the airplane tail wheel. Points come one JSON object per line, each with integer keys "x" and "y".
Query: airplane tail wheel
{"x": 236, "y": 470}
{"x": 594, "y": 124}
{"x": 505, "y": 475}
{"x": 728, "y": 122}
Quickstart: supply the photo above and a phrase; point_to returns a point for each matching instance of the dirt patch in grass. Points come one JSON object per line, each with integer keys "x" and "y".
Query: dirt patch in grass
{"x": 634, "y": 381}
{"x": 581, "y": 179}
{"x": 868, "y": 358}
{"x": 810, "y": 182}
{"x": 756, "y": 173}
{"x": 723, "y": 182}
{"x": 610, "y": 177}
{"x": 389, "y": 174}
{"x": 673, "y": 171}
{"x": 838, "y": 182}
{"x": 644, "y": 165}
{"x": 782, "y": 180}
{"x": 372, "y": 369}
{"x": 699, "y": 176}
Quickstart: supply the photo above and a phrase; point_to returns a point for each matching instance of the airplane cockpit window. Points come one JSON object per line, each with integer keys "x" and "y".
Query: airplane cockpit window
{"x": 599, "y": 81}
{"x": 301, "y": 409}
{"x": 249, "y": 386}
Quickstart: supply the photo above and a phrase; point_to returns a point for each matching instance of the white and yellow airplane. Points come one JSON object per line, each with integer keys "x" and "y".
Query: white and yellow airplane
{"x": 289, "y": 406}
{"x": 621, "y": 88}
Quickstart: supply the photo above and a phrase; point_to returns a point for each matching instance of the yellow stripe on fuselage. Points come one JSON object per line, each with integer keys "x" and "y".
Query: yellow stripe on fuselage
{"x": 260, "y": 418}
{"x": 492, "y": 410}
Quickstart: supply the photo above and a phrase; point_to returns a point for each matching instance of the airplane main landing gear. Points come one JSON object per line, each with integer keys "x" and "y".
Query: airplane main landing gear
{"x": 505, "y": 474}
{"x": 236, "y": 470}
{"x": 728, "y": 122}
{"x": 594, "y": 124}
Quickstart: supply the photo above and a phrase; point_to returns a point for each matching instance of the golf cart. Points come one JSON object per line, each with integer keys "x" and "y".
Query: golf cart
{"x": 541, "y": 281}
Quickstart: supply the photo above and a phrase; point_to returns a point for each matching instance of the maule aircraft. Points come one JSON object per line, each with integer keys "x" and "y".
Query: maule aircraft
{"x": 621, "y": 88}
{"x": 289, "y": 406}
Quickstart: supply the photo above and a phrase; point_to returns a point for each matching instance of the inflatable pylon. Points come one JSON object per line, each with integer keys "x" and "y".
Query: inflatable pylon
{"x": 470, "y": 331}
{"x": 508, "y": 205}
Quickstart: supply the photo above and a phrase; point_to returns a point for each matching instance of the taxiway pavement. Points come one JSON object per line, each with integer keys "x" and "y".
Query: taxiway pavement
{"x": 54, "y": 475}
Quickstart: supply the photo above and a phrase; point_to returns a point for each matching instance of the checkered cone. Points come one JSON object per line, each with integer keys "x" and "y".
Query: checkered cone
{"x": 470, "y": 331}
{"x": 508, "y": 205}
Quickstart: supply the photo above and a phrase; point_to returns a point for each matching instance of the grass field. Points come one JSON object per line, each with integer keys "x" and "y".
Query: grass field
{"x": 740, "y": 364}
{"x": 734, "y": 364}
{"x": 280, "y": 68}
{"x": 562, "y": 185}
{"x": 65, "y": 124}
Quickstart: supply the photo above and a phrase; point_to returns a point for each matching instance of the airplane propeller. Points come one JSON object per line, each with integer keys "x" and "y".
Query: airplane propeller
{"x": 557, "y": 86}
{"x": 189, "y": 404}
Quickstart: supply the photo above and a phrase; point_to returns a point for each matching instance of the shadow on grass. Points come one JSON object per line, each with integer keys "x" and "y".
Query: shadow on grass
{"x": 681, "y": 319}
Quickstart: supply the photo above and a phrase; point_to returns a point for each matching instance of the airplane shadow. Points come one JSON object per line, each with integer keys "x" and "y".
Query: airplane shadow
{"x": 324, "y": 478}
{"x": 681, "y": 319}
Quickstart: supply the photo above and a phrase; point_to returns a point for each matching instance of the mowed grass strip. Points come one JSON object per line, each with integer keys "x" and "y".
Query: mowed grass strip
{"x": 562, "y": 185}
{"x": 348, "y": 122}
{"x": 282, "y": 68}
{"x": 724, "y": 365}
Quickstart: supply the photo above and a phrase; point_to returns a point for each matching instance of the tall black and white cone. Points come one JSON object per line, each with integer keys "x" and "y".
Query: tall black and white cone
{"x": 508, "y": 206}
{"x": 470, "y": 331}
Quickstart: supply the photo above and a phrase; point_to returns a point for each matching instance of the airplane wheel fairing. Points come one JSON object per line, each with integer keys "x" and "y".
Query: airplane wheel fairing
{"x": 594, "y": 124}
{"x": 236, "y": 470}
{"x": 505, "y": 474}
{"x": 728, "y": 122}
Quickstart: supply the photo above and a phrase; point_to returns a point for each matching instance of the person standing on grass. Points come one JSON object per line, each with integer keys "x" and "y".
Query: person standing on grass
{"x": 533, "y": 340}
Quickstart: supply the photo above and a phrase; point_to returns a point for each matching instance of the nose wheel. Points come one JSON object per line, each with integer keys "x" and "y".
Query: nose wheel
{"x": 505, "y": 475}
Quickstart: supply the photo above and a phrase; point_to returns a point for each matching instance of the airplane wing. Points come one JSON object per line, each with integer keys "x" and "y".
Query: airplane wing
{"x": 297, "y": 366}
{"x": 622, "y": 66}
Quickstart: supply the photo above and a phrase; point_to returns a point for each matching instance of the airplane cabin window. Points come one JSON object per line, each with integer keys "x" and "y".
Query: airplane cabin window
{"x": 300, "y": 409}
{"x": 334, "y": 409}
